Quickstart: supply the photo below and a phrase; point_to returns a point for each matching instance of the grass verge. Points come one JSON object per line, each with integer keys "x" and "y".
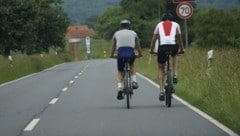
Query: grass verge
{"x": 24, "y": 65}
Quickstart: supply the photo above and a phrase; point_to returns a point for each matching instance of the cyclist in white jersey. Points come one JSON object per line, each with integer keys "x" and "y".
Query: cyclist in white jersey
{"x": 125, "y": 41}
{"x": 168, "y": 34}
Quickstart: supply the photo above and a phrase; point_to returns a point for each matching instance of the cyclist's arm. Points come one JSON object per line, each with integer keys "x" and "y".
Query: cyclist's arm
{"x": 138, "y": 47}
{"x": 153, "y": 41}
{"x": 179, "y": 41}
{"x": 113, "y": 48}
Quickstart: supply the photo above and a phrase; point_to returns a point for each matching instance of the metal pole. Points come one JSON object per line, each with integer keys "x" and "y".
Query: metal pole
{"x": 159, "y": 12}
{"x": 186, "y": 33}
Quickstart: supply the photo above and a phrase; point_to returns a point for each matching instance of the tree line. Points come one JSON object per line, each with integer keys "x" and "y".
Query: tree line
{"x": 32, "y": 26}
{"x": 207, "y": 27}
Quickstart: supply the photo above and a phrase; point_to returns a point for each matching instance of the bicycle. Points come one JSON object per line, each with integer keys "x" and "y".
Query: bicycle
{"x": 127, "y": 81}
{"x": 169, "y": 84}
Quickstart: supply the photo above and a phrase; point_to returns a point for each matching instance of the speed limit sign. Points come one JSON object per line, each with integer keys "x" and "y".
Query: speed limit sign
{"x": 184, "y": 10}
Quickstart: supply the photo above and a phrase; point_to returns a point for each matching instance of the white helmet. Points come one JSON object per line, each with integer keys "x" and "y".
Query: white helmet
{"x": 125, "y": 21}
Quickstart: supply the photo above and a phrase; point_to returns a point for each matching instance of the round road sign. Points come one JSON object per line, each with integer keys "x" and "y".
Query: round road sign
{"x": 184, "y": 10}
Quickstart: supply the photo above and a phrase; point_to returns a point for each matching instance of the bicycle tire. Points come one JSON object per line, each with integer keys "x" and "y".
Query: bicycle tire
{"x": 169, "y": 89}
{"x": 127, "y": 85}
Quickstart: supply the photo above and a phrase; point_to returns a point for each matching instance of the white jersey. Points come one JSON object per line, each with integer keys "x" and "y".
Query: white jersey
{"x": 167, "y": 31}
{"x": 125, "y": 38}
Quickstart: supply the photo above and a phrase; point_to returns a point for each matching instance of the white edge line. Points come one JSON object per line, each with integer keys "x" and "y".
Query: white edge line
{"x": 206, "y": 116}
{"x": 53, "y": 101}
{"x": 27, "y": 76}
{"x": 32, "y": 124}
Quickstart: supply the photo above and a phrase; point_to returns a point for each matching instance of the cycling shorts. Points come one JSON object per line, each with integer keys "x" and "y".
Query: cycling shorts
{"x": 125, "y": 54}
{"x": 162, "y": 49}
{"x": 121, "y": 61}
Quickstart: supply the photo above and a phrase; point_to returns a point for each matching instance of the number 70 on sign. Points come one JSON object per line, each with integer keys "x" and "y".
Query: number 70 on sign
{"x": 184, "y": 10}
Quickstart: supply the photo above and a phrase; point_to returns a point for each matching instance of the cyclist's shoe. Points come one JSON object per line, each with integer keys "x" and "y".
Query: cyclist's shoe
{"x": 120, "y": 95}
{"x": 175, "y": 80}
{"x": 134, "y": 85}
{"x": 162, "y": 96}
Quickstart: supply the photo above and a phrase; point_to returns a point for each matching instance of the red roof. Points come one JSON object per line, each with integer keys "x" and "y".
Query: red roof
{"x": 80, "y": 31}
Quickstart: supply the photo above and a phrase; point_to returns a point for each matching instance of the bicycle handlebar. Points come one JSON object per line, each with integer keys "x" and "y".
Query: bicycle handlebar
{"x": 115, "y": 56}
{"x": 179, "y": 53}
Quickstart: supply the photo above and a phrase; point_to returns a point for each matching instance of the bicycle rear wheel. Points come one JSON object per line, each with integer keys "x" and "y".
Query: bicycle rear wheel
{"x": 169, "y": 88}
{"x": 127, "y": 83}
{"x": 168, "y": 98}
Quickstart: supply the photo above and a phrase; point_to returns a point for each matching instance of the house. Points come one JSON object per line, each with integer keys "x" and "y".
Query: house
{"x": 74, "y": 36}
{"x": 76, "y": 33}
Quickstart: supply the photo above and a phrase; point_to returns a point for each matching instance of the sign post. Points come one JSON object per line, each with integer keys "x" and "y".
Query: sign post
{"x": 184, "y": 11}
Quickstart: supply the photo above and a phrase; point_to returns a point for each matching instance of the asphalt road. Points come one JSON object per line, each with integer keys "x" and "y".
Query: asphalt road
{"x": 79, "y": 99}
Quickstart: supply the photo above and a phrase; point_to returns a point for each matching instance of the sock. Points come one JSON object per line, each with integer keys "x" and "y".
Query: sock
{"x": 119, "y": 85}
{"x": 134, "y": 78}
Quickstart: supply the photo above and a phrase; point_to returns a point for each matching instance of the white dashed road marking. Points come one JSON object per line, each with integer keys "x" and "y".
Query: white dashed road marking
{"x": 65, "y": 89}
{"x": 53, "y": 101}
{"x": 32, "y": 124}
{"x": 72, "y": 81}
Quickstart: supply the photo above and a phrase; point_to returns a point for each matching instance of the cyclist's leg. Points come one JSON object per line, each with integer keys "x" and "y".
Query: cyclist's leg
{"x": 133, "y": 73}
{"x": 120, "y": 66}
{"x": 161, "y": 69}
{"x": 174, "y": 62}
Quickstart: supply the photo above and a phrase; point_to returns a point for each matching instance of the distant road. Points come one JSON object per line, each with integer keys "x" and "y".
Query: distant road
{"x": 79, "y": 99}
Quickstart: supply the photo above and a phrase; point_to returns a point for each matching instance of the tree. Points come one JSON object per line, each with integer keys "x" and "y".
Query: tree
{"x": 31, "y": 26}
{"x": 216, "y": 27}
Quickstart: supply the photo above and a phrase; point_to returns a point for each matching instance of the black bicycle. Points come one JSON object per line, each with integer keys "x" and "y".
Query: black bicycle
{"x": 169, "y": 84}
{"x": 127, "y": 82}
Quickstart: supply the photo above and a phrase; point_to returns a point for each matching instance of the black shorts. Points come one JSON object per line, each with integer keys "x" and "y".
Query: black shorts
{"x": 162, "y": 49}
{"x": 121, "y": 61}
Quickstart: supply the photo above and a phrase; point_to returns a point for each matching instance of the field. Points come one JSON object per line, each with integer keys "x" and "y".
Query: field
{"x": 215, "y": 92}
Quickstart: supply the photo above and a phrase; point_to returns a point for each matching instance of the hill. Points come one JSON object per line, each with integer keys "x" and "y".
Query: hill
{"x": 80, "y": 11}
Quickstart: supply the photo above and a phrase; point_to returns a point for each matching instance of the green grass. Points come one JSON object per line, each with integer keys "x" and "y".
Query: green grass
{"x": 24, "y": 65}
{"x": 97, "y": 49}
{"x": 216, "y": 93}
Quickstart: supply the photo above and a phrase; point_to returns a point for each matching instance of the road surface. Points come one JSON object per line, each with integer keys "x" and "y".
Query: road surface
{"x": 79, "y": 99}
